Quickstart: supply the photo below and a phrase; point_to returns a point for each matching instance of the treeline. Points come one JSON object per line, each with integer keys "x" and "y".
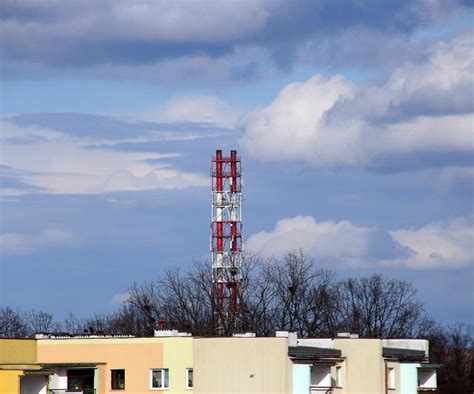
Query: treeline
{"x": 290, "y": 293}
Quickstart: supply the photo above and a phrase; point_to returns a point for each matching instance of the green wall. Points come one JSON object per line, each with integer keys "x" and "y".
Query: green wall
{"x": 409, "y": 378}
{"x": 301, "y": 378}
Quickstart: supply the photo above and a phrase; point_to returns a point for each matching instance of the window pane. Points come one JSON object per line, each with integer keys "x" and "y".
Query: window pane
{"x": 166, "y": 379}
{"x": 190, "y": 378}
{"x": 427, "y": 378}
{"x": 79, "y": 379}
{"x": 156, "y": 379}
{"x": 118, "y": 379}
{"x": 74, "y": 383}
{"x": 321, "y": 376}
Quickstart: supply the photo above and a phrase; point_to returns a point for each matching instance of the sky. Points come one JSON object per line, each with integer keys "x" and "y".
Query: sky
{"x": 353, "y": 120}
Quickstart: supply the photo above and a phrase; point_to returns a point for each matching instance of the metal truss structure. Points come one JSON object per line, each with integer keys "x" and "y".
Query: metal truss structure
{"x": 226, "y": 240}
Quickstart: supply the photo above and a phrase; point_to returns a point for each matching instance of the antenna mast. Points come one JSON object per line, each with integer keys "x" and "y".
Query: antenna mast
{"x": 226, "y": 241}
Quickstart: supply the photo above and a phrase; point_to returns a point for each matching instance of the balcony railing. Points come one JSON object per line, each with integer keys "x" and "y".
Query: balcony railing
{"x": 320, "y": 390}
{"x": 64, "y": 391}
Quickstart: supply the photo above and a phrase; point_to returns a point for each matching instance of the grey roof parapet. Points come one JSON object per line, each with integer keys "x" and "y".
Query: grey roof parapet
{"x": 404, "y": 354}
{"x": 311, "y": 353}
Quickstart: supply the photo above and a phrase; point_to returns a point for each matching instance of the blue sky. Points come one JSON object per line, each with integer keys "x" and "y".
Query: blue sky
{"x": 353, "y": 120}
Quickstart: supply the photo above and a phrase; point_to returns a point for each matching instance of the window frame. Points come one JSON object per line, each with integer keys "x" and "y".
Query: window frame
{"x": 162, "y": 370}
{"x": 112, "y": 372}
{"x": 391, "y": 379}
{"x": 83, "y": 376}
{"x": 326, "y": 368}
{"x": 187, "y": 386}
{"x": 339, "y": 376}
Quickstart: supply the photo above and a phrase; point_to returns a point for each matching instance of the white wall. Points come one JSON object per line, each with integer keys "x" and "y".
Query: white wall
{"x": 325, "y": 343}
{"x": 58, "y": 381}
{"x": 412, "y": 344}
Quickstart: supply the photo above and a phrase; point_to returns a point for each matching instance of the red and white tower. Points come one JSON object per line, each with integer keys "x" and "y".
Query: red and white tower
{"x": 226, "y": 240}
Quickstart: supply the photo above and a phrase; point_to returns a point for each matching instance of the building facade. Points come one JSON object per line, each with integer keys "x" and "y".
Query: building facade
{"x": 178, "y": 363}
{"x": 242, "y": 365}
{"x": 19, "y": 370}
{"x": 131, "y": 365}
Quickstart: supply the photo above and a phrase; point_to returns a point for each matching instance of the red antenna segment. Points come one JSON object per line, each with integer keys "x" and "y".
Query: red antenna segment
{"x": 226, "y": 239}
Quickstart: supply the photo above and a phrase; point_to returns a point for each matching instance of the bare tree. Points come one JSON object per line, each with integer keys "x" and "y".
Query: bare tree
{"x": 40, "y": 322}
{"x": 12, "y": 323}
{"x": 453, "y": 348}
{"x": 139, "y": 315}
{"x": 188, "y": 300}
{"x": 72, "y": 324}
{"x": 377, "y": 307}
{"x": 288, "y": 293}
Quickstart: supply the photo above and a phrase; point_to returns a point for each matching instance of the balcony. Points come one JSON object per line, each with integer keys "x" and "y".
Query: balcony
{"x": 320, "y": 390}
{"x": 63, "y": 391}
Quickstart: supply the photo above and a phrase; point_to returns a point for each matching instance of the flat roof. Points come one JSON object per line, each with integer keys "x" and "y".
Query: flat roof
{"x": 404, "y": 354}
{"x": 310, "y": 352}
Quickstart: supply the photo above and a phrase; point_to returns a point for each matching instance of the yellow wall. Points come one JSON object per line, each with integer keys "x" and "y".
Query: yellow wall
{"x": 15, "y": 355}
{"x": 10, "y": 381}
{"x": 242, "y": 365}
{"x": 364, "y": 366}
{"x": 177, "y": 356}
{"x": 343, "y": 384}
{"x": 136, "y": 355}
{"x": 17, "y": 351}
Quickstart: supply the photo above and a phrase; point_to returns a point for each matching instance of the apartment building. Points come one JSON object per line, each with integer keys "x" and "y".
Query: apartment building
{"x": 125, "y": 364}
{"x": 179, "y": 363}
{"x": 390, "y": 366}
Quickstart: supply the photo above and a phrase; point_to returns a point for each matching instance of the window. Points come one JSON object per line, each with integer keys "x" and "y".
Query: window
{"x": 338, "y": 376}
{"x": 427, "y": 378}
{"x": 118, "y": 379}
{"x": 159, "y": 378}
{"x": 189, "y": 378}
{"x": 321, "y": 376}
{"x": 391, "y": 378}
{"x": 80, "y": 379}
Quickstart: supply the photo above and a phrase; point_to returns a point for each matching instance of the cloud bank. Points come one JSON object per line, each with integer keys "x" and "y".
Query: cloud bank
{"x": 40, "y": 160}
{"x": 232, "y": 40}
{"x": 441, "y": 244}
{"x": 421, "y": 116}
{"x": 447, "y": 244}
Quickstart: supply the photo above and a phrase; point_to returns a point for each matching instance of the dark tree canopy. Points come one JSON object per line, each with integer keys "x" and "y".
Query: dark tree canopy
{"x": 290, "y": 293}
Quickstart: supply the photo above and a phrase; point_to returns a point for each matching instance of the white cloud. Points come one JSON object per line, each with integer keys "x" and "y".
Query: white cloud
{"x": 422, "y": 108}
{"x": 120, "y": 298}
{"x": 338, "y": 243}
{"x": 177, "y": 21}
{"x": 206, "y": 109}
{"x": 342, "y": 244}
{"x": 61, "y": 164}
{"x": 160, "y": 21}
{"x": 23, "y": 244}
{"x": 448, "y": 244}
{"x": 291, "y": 127}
